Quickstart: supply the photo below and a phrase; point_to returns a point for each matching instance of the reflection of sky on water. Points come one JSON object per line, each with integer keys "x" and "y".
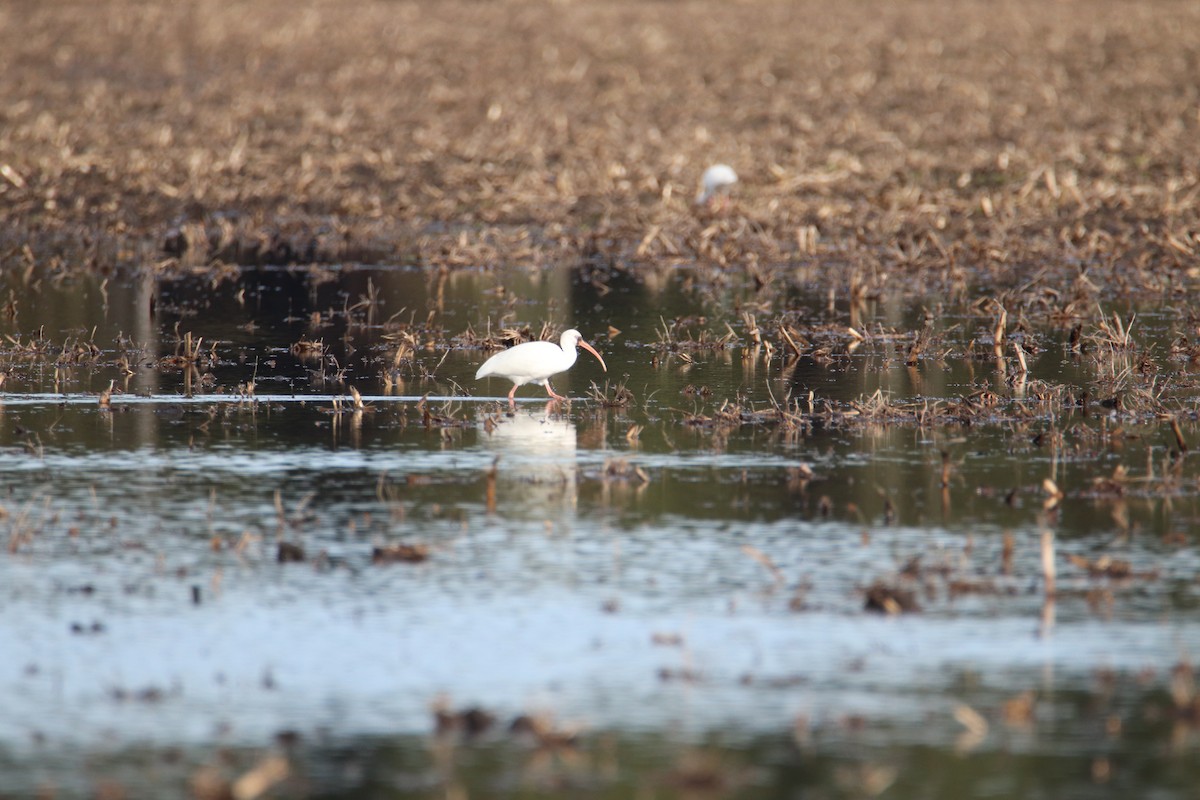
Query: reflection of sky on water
{"x": 509, "y": 613}
{"x": 402, "y": 639}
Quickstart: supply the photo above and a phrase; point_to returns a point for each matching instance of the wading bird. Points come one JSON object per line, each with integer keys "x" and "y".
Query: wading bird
{"x": 717, "y": 181}
{"x": 535, "y": 362}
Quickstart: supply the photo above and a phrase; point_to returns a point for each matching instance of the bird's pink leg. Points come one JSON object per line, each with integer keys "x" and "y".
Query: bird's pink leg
{"x": 512, "y": 400}
{"x": 552, "y": 393}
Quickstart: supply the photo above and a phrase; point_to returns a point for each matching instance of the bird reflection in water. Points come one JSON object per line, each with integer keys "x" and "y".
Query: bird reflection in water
{"x": 535, "y": 474}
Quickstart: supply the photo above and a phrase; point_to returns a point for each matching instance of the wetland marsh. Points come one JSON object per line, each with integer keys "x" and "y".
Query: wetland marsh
{"x": 889, "y": 488}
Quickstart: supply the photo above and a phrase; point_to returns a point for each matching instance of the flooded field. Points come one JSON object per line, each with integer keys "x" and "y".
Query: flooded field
{"x": 889, "y": 488}
{"x": 692, "y": 577}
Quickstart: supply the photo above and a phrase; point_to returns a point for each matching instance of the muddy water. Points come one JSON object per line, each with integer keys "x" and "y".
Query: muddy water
{"x": 690, "y": 601}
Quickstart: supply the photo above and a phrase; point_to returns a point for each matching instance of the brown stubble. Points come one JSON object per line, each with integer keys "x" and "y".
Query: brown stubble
{"x": 957, "y": 144}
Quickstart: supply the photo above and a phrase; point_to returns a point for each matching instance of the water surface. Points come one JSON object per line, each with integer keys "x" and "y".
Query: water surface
{"x": 685, "y": 588}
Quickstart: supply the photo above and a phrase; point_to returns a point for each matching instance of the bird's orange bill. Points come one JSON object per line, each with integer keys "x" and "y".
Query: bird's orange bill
{"x": 592, "y": 350}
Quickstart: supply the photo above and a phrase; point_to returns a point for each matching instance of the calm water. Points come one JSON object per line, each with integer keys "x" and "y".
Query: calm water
{"x": 689, "y": 598}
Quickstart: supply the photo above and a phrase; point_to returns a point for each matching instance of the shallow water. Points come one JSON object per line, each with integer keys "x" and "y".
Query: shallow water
{"x": 691, "y": 600}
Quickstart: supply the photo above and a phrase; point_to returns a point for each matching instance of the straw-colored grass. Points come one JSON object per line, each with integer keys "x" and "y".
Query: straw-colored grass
{"x": 996, "y": 142}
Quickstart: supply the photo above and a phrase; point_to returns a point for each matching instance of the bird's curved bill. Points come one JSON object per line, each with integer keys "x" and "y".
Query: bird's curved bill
{"x": 592, "y": 350}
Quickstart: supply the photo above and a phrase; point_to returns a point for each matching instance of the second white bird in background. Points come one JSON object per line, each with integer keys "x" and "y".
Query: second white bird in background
{"x": 717, "y": 181}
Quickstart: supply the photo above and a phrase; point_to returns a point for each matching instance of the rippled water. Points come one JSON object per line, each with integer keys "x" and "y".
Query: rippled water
{"x": 694, "y": 593}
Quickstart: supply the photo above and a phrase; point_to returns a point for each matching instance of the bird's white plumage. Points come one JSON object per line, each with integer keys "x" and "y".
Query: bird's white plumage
{"x": 532, "y": 362}
{"x": 536, "y": 362}
{"x": 717, "y": 179}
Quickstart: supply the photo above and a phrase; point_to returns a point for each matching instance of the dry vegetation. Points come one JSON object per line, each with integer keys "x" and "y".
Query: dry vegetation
{"x": 989, "y": 142}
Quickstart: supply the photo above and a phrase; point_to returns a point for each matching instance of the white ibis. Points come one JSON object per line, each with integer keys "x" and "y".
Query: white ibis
{"x": 535, "y": 362}
{"x": 716, "y": 182}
